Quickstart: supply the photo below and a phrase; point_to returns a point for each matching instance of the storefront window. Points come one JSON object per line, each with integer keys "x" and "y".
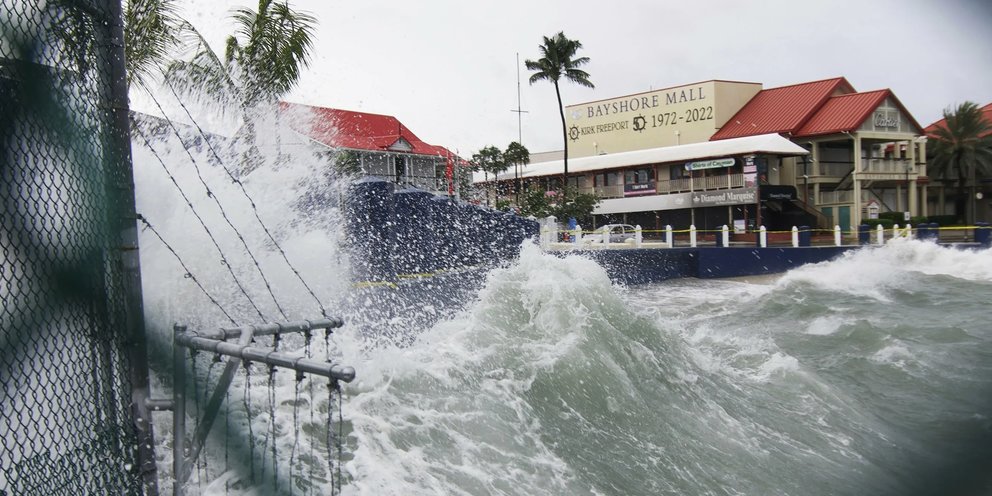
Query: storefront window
{"x": 639, "y": 176}
{"x": 577, "y": 181}
{"x": 608, "y": 179}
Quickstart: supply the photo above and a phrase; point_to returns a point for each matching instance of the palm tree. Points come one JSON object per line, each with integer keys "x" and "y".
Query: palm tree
{"x": 963, "y": 145}
{"x": 262, "y": 61}
{"x": 489, "y": 160}
{"x": 557, "y": 62}
{"x": 151, "y": 30}
{"x": 518, "y": 155}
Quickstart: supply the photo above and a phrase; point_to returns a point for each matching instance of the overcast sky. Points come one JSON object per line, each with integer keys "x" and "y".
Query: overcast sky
{"x": 447, "y": 68}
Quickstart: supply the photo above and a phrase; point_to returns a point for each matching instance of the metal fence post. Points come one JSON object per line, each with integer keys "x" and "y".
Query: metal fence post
{"x": 178, "y": 413}
{"x": 123, "y": 219}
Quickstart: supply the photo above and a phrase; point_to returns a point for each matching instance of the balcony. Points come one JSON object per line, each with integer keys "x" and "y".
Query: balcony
{"x": 681, "y": 185}
{"x": 887, "y": 166}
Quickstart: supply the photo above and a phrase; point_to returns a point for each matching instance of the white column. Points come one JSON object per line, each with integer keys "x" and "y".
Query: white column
{"x": 836, "y": 235}
{"x": 880, "y": 235}
{"x": 795, "y": 237}
{"x": 726, "y": 235}
{"x": 913, "y": 207}
{"x": 638, "y": 236}
{"x": 855, "y": 176}
{"x": 763, "y": 237}
{"x": 692, "y": 236}
{"x": 668, "y": 235}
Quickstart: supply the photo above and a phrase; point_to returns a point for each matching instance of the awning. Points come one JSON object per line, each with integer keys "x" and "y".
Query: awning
{"x": 767, "y": 144}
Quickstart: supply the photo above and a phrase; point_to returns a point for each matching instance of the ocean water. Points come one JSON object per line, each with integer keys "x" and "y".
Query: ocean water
{"x": 870, "y": 374}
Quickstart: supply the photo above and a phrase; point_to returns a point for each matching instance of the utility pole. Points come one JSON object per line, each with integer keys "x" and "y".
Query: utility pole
{"x": 520, "y": 134}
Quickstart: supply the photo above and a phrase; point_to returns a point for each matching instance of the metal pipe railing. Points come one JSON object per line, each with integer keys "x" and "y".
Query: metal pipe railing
{"x": 185, "y": 453}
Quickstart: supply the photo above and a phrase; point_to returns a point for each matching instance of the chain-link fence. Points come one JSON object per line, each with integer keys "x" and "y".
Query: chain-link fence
{"x": 70, "y": 320}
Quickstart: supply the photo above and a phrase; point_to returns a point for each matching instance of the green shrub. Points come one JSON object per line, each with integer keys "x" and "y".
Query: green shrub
{"x": 893, "y": 216}
{"x": 945, "y": 220}
{"x": 885, "y": 223}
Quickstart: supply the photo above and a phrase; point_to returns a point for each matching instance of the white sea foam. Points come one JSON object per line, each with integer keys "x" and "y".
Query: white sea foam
{"x": 826, "y": 325}
{"x": 682, "y": 380}
{"x": 871, "y": 272}
{"x": 894, "y": 354}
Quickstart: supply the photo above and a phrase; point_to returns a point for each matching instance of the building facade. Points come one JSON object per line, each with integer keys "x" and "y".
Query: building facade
{"x": 375, "y": 145}
{"x": 817, "y": 153}
{"x": 944, "y": 188}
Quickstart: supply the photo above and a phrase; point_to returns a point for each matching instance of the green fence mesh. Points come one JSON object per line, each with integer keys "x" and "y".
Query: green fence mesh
{"x": 67, "y": 276}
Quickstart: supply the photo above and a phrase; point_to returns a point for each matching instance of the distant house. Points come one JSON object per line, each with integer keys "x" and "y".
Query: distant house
{"x": 986, "y": 114}
{"x": 717, "y": 152}
{"x": 864, "y": 147}
{"x": 946, "y": 187}
{"x": 377, "y": 146}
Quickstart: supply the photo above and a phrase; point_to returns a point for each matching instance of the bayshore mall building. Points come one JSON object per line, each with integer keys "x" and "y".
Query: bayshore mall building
{"x": 727, "y": 152}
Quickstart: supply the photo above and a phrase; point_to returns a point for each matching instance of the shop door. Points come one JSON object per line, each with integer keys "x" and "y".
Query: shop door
{"x": 844, "y": 218}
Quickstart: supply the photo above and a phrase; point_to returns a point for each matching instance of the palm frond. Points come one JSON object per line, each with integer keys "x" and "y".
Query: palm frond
{"x": 150, "y": 35}
{"x": 72, "y": 30}
{"x": 276, "y": 47}
{"x": 203, "y": 77}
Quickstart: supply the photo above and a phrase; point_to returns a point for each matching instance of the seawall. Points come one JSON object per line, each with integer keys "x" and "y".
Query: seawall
{"x": 643, "y": 266}
{"x": 396, "y": 234}
{"x": 416, "y": 258}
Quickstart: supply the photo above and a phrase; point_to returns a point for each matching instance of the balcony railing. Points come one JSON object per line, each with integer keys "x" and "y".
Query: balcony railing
{"x": 887, "y": 165}
{"x": 879, "y": 165}
{"x": 429, "y": 183}
{"x": 835, "y": 169}
{"x": 842, "y": 197}
{"x": 701, "y": 183}
{"x": 681, "y": 185}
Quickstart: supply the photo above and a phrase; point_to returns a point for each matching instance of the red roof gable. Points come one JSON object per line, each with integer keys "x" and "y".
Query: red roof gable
{"x": 843, "y": 113}
{"x": 338, "y": 128}
{"x": 846, "y": 113}
{"x": 781, "y": 110}
{"x": 986, "y": 114}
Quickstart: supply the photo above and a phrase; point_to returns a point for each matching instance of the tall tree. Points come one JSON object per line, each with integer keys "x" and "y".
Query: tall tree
{"x": 558, "y": 61}
{"x": 151, "y": 33}
{"x": 963, "y": 145}
{"x": 517, "y": 155}
{"x": 489, "y": 160}
{"x": 262, "y": 60}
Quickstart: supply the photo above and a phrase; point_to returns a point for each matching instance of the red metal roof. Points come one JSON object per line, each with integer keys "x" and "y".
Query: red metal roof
{"x": 846, "y": 113}
{"x": 781, "y": 110}
{"x": 338, "y": 128}
{"x": 843, "y": 113}
{"x": 986, "y": 113}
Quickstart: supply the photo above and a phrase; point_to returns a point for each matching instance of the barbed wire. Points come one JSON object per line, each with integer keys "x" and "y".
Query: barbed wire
{"x": 202, "y": 223}
{"x": 189, "y": 273}
{"x": 220, "y": 207}
{"x": 247, "y": 196}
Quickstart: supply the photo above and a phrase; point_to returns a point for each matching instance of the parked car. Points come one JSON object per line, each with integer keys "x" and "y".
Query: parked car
{"x": 619, "y": 233}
